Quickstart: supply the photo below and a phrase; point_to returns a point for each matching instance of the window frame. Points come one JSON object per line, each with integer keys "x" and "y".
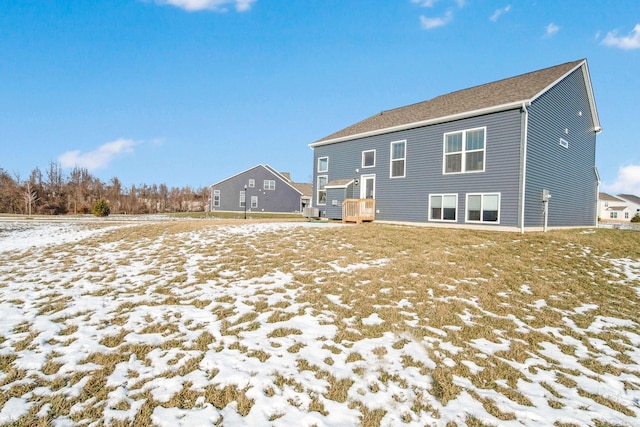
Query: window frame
{"x": 243, "y": 199}
{"x": 269, "y": 186}
{"x": 326, "y": 167}
{"x": 252, "y": 183}
{"x": 482, "y": 204}
{"x": 463, "y": 152}
{"x": 442, "y": 196}
{"x": 254, "y": 202}
{"x": 216, "y": 198}
{"x": 318, "y": 189}
{"x": 362, "y": 164}
{"x": 403, "y": 159}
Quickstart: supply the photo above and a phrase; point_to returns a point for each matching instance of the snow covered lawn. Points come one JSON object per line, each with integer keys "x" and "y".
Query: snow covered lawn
{"x": 194, "y": 323}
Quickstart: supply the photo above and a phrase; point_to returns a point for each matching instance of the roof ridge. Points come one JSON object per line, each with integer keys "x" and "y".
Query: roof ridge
{"x": 495, "y": 95}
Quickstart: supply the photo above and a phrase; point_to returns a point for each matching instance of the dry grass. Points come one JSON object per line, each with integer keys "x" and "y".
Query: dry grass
{"x": 478, "y": 305}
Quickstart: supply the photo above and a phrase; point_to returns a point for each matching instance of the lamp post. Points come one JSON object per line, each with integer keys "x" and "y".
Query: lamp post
{"x": 245, "y": 201}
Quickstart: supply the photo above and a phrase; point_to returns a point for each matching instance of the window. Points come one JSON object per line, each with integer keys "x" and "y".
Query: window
{"x": 269, "y": 184}
{"x": 252, "y": 183}
{"x": 443, "y": 207}
{"x": 242, "y": 199}
{"x": 626, "y": 215}
{"x": 483, "y": 207}
{"x": 254, "y": 202}
{"x": 368, "y": 158}
{"x": 464, "y": 151}
{"x": 613, "y": 215}
{"x": 216, "y": 197}
{"x": 564, "y": 143}
{"x": 398, "y": 157}
{"x": 322, "y": 191}
{"x": 323, "y": 164}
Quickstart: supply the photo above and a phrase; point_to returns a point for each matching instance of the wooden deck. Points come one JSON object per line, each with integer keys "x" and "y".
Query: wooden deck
{"x": 358, "y": 210}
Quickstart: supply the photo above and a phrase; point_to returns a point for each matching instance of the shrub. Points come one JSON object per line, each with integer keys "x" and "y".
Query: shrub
{"x": 636, "y": 218}
{"x": 101, "y": 208}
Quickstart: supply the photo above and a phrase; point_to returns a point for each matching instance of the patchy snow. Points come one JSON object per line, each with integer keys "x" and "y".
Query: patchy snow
{"x": 183, "y": 328}
{"x": 372, "y": 320}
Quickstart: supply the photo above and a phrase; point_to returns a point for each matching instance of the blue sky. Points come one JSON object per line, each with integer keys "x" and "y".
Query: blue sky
{"x": 188, "y": 92}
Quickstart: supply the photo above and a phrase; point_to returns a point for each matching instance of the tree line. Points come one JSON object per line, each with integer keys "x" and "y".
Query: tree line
{"x": 53, "y": 192}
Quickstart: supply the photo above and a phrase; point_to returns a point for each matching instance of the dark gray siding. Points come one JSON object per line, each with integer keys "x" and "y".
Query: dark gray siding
{"x": 406, "y": 199}
{"x": 283, "y": 199}
{"x": 335, "y": 196}
{"x": 567, "y": 172}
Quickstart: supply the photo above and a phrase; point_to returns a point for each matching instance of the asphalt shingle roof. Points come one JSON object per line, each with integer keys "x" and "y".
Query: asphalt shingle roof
{"x": 520, "y": 88}
{"x": 608, "y": 197}
{"x": 630, "y": 197}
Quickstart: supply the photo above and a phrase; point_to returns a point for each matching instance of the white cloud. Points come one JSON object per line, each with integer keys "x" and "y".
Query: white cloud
{"x": 630, "y": 41}
{"x": 431, "y": 3}
{"x": 215, "y": 5}
{"x": 627, "y": 182}
{"x": 431, "y": 23}
{"x": 552, "y": 29}
{"x": 499, "y": 12}
{"x": 99, "y": 158}
{"x": 425, "y": 3}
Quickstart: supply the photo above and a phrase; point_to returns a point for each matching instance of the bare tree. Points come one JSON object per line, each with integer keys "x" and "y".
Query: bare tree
{"x": 55, "y": 188}
{"x": 30, "y": 197}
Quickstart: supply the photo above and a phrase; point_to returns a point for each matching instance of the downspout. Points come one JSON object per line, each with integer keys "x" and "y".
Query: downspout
{"x": 524, "y": 163}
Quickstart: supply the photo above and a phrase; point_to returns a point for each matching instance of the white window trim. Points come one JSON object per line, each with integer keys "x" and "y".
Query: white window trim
{"x": 252, "y": 183}
{"x": 463, "y": 152}
{"x": 443, "y": 195}
{"x": 466, "y": 208}
{"x": 265, "y": 187}
{"x": 374, "y": 158}
{"x": 243, "y": 199}
{"x": 363, "y": 187}
{"x": 216, "y": 203}
{"x": 326, "y": 177}
{"x": 327, "y": 167}
{"x": 391, "y": 159}
{"x": 254, "y": 202}
{"x": 564, "y": 143}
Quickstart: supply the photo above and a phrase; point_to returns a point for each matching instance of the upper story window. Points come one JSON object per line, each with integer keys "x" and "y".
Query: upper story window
{"x": 269, "y": 184}
{"x": 368, "y": 158}
{"x": 323, "y": 164}
{"x": 464, "y": 151}
{"x": 252, "y": 183}
{"x": 398, "y": 159}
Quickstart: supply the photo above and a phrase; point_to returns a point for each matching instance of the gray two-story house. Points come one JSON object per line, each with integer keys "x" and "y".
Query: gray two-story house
{"x": 259, "y": 189}
{"x": 515, "y": 154}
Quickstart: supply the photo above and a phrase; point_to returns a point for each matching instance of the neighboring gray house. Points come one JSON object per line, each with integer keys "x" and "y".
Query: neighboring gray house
{"x": 259, "y": 189}
{"x": 489, "y": 155}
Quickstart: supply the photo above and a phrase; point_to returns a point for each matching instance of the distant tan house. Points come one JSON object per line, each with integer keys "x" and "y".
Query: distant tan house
{"x": 613, "y": 209}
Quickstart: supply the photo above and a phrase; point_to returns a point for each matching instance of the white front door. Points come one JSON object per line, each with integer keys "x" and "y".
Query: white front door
{"x": 368, "y": 187}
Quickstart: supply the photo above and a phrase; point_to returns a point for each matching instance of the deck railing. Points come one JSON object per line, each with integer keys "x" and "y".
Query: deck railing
{"x": 358, "y": 210}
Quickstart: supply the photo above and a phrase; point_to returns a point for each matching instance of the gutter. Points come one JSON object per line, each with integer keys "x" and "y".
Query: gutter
{"x": 450, "y": 118}
{"x": 523, "y": 169}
